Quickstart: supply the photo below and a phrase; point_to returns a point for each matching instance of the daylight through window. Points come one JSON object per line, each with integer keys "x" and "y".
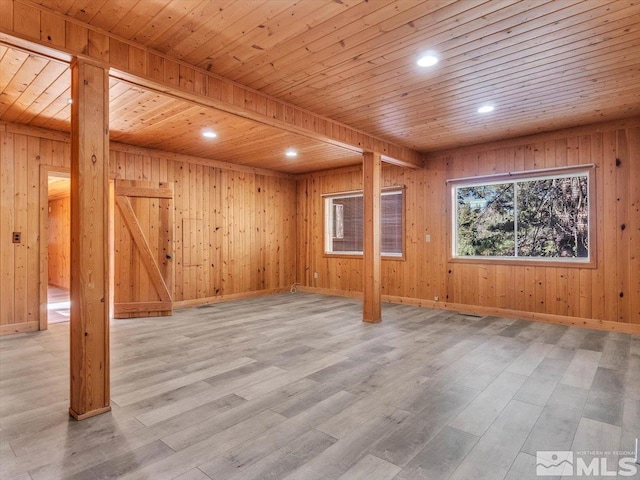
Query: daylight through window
{"x": 344, "y": 224}
{"x": 528, "y": 217}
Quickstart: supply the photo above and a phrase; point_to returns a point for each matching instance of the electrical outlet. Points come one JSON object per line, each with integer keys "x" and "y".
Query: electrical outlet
{"x": 436, "y": 298}
{"x": 427, "y": 238}
{"x": 315, "y": 274}
{"x": 17, "y": 237}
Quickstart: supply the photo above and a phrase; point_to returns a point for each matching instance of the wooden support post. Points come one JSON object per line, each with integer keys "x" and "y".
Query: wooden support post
{"x": 372, "y": 310}
{"x": 89, "y": 240}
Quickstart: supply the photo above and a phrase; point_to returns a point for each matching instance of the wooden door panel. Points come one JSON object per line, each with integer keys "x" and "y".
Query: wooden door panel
{"x": 143, "y": 276}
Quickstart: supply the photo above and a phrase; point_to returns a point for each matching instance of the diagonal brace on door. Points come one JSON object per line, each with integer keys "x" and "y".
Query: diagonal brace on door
{"x": 139, "y": 239}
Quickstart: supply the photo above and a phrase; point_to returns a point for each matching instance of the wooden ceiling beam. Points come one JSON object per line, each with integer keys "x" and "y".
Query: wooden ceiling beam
{"x": 28, "y": 25}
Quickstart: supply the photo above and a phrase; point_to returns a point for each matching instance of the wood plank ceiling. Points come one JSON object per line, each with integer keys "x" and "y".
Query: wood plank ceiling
{"x": 35, "y": 91}
{"x": 544, "y": 64}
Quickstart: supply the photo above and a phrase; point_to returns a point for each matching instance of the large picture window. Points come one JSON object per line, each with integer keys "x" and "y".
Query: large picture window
{"x": 528, "y": 217}
{"x": 344, "y": 223}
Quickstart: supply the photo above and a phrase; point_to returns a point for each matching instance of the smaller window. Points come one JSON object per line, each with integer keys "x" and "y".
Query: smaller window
{"x": 344, "y": 223}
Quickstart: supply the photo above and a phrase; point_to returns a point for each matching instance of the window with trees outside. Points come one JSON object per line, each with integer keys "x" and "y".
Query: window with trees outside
{"x": 528, "y": 217}
{"x": 344, "y": 223}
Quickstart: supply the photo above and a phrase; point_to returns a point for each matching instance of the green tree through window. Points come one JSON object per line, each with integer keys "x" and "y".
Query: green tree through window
{"x": 545, "y": 217}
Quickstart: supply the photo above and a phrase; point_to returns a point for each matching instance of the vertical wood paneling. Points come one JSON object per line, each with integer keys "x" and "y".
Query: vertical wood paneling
{"x": 59, "y": 242}
{"x": 33, "y": 229}
{"x": 597, "y": 277}
{"x": 20, "y": 225}
{"x": 633, "y": 226}
{"x": 7, "y": 209}
{"x": 608, "y": 292}
{"x": 218, "y": 238}
{"x": 623, "y": 190}
{"x": 609, "y": 220}
{"x": 32, "y": 233}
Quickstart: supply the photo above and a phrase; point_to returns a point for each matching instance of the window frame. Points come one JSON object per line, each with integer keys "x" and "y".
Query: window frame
{"x": 514, "y": 177}
{"x": 398, "y": 189}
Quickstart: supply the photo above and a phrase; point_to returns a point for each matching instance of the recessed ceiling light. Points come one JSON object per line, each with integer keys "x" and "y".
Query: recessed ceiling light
{"x": 427, "y": 60}
{"x": 69, "y": 100}
{"x": 209, "y": 134}
{"x": 486, "y": 109}
{"x": 291, "y": 153}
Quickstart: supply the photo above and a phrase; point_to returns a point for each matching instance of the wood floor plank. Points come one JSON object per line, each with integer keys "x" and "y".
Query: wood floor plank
{"x": 409, "y": 438}
{"x": 249, "y": 453}
{"x": 288, "y": 459}
{"x": 440, "y": 457}
{"x": 495, "y": 452}
{"x": 346, "y": 452}
{"x": 371, "y": 467}
{"x": 214, "y": 423}
{"x": 559, "y": 421}
{"x": 201, "y": 452}
{"x": 485, "y": 408}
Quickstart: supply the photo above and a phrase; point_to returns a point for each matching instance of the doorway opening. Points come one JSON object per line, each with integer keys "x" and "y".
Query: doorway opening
{"x": 58, "y": 247}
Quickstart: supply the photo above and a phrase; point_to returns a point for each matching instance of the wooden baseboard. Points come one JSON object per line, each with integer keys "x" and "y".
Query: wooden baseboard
{"x": 19, "y": 328}
{"x": 123, "y": 310}
{"x": 92, "y": 413}
{"x": 329, "y": 291}
{"x": 226, "y": 298}
{"x": 590, "y": 323}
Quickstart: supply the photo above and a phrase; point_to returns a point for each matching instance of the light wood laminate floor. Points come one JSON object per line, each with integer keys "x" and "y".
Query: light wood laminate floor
{"x": 58, "y": 304}
{"x": 295, "y": 386}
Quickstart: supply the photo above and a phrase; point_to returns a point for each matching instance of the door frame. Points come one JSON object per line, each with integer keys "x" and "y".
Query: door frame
{"x": 45, "y": 171}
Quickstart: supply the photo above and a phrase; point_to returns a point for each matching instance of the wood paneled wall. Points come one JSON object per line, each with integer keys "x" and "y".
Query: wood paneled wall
{"x": 59, "y": 242}
{"x": 244, "y": 240}
{"x": 610, "y": 292}
{"x": 20, "y": 160}
{"x": 234, "y": 230}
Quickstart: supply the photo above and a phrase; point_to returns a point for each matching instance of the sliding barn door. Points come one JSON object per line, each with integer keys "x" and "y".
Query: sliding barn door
{"x": 143, "y": 247}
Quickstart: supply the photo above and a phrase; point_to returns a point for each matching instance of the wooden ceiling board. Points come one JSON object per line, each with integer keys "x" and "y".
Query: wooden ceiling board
{"x": 394, "y": 69}
{"x": 37, "y": 94}
{"x": 355, "y": 45}
{"x": 203, "y": 26}
{"x": 521, "y": 58}
{"x": 138, "y": 17}
{"x": 271, "y": 34}
{"x": 318, "y": 31}
{"x": 156, "y": 121}
{"x": 85, "y": 10}
{"x": 542, "y": 80}
{"x": 560, "y": 62}
{"x": 188, "y": 26}
{"x": 37, "y": 90}
{"x": 425, "y": 33}
{"x": 112, "y": 13}
{"x": 57, "y": 116}
{"x": 523, "y": 63}
{"x": 24, "y": 70}
{"x": 414, "y": 78}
